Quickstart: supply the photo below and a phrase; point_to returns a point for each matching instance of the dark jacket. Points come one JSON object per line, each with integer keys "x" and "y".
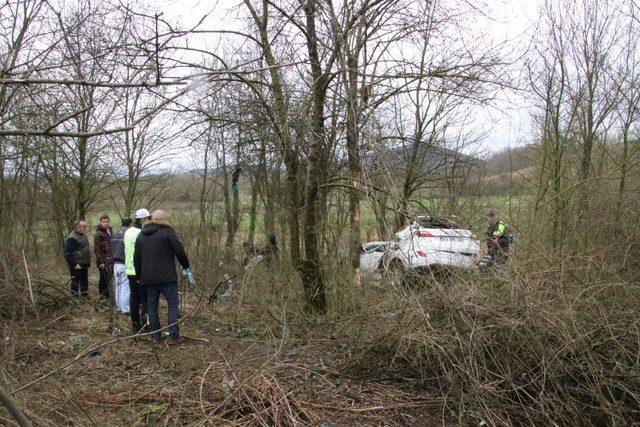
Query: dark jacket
{"x": 271, "y": 248}
{"x": 117, "y": 246}
{"x": 102, "y": 246}
{"x": 499, "y": 233}
{"x": 157, "y": 246}
{"x": 76, "y": 250}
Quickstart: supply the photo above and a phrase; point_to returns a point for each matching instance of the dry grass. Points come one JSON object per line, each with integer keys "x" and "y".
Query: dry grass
{"x": 552, "y": 342}
{"x": 239, "y": 367}
{"x": 521, "y": 347}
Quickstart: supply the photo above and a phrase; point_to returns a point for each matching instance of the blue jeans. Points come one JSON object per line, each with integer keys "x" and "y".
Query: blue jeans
{"x": 170, "y": 293}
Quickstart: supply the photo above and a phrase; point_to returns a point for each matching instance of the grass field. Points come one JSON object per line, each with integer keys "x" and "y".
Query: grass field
{"x": 469, "y": 212}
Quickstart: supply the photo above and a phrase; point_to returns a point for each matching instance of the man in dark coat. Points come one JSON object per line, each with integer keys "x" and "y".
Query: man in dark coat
{"x": 155, "y": 252}
{"x": 104, "y": 259}
{"x": 78, "y": 256}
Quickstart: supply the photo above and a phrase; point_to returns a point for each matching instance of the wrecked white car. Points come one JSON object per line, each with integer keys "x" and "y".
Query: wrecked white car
{"x": 371, "y": 257}
{"x": 429, "y": 242}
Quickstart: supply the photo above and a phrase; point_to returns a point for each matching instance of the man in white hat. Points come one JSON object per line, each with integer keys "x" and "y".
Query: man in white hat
{"x": 138, "y": 296}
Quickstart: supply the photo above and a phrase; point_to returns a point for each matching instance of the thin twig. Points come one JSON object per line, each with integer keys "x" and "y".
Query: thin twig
{"x": 52, "y": 321}
{"x": 400, "y": 405}
{"x": 33, "y": 301}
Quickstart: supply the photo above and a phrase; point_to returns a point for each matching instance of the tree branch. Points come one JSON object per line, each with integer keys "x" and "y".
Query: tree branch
{"x": 88, "y": 83}
{"x": 13, "y": 409}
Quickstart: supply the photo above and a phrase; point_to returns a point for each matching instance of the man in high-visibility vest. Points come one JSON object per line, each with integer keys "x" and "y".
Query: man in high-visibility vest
{"x": 138, "y": 295}
{"x": 498, "y": 239}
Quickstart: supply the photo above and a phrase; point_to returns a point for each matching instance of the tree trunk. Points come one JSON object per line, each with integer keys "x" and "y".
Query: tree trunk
{"x": 131, "y": 170}
{"x": 380, "y": 211}
{"x": 226, "y": 196}
{"x": 401, "y": 213}
{"x": 282, "y": 216}
{"x": 235, "y": 193}
{"x": 31, "y": 211}
{"x": 355, "y": 168}
{"x": 624, "y": 166}
{"x": 253, "y": 211}
{"x": 81, "y": 195}
{"x": 268, "y": 193}
{"x": 202, "y": 203}
{"x": 310, "y": 268}
{"x": 235, "y": 213}
{"x": 227, "y": 211}
{"x": 293, "y": 202}
{"x": 3, "y": 205}
{"x": 282, "y": 113}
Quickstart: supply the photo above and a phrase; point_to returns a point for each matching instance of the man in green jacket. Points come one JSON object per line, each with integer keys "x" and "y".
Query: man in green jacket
{"x": 78, "y": 256}
{"x": 138, "y": 295}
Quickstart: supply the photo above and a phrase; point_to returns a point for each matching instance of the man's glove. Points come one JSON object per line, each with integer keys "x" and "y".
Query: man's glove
{"x": 187, "y": 274}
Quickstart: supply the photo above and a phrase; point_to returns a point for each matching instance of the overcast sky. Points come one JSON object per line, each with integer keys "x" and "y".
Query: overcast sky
{"x": 506, "y": 123}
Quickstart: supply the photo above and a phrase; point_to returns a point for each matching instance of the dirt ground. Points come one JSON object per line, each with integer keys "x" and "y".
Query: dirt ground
{"x": 66, "y": 369}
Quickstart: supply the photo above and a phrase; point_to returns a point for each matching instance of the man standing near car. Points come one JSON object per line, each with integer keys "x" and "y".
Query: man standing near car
{"x": 498, "y": 239}
{"x": 138, "y": 295}
{"x": 102, "y": 249}
{"x": 119, "y": 268}
{"x": 156, "y": 249}
{"x": 78, "y": 256}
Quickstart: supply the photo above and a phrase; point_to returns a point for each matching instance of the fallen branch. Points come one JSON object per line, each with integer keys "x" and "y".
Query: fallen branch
{"x": 399, "y": 405}
{"x": 14, "y": 409}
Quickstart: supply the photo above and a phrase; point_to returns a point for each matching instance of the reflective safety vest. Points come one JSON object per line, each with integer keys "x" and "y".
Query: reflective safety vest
{"x": 500, "y": 229}
{"x": 130, "y": 237}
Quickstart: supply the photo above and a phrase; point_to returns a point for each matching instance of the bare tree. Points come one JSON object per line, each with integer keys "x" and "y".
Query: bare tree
{"x": 280, "y": 121}
{"x": 17, "y": 22}
{"x": 574, "y": 76}
{"x": 627, "y": 110}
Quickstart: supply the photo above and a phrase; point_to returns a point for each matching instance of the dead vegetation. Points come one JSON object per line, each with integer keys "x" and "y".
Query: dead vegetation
{"x": 551, "y": 345}
{"x": 241, "y": 366}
